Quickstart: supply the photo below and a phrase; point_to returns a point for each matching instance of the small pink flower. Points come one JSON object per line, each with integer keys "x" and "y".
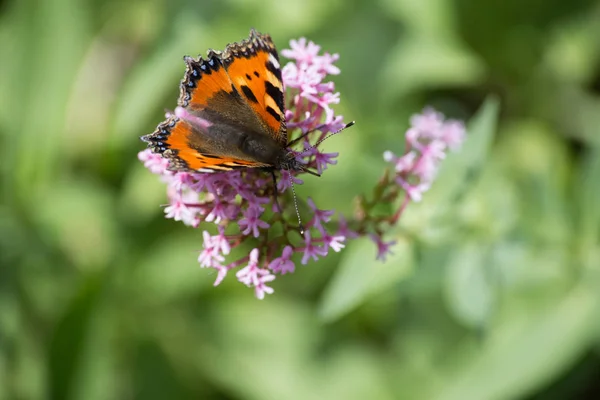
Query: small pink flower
{"x": 221, "y": 242}
{"x": 334, "y": 125}
{"x": 428, "y": 123}
{"x": 180, "y": 181}
{"x": 252, "y": 223}
{"x": 343, "y": 229}
{"x": 221, "y": 274}
{"x": 320, "y": 216}
{"x": 283, "y": 264}
{"x": 427, "y": 165}
{"x": 311, "y": 249}
{"x": 154, "y": 162}
{"x": 283, "y": 183}
{"x": 404, "y": 163}
{"x": 336, "y": 243}
{"x": 429, "y": 139}
{"x": 453, "y": 134}
{"x": 325, "y": 63}
{"x": 256, "y": 202}
{"x": 322, "y": 159}
{"x": 179, "y": 211}
{"x": 219, "y": 212}
{"x": 414, "y": 191}
{"x": 302, "y": 51}
{"x": 211, "y": 255}
{"x": 383, "y": 248}
{"x": 256, "y": 277}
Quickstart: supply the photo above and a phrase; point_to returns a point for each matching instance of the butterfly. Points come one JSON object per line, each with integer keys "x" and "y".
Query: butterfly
{"x": 231, "y": 113}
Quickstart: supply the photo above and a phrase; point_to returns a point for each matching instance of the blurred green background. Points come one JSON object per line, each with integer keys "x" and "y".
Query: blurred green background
{"x": 494, "y": 288}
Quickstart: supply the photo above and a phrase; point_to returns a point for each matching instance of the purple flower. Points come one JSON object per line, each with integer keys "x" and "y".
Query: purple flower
{"x": 343, "y": 229}
{"x": 325, "y": 64}
{"x": 302, "y": 51}
{"x": 242, "y": 202}
{"x": 402, "y": 164}
{"x": 221, "y": 241}
{"x": 333, "y": 242}
{"x": 284, "y": 181}
{"x": 252, "y": 223}
{"x": 414, "y": 192}
{"x": 254, "y": 276}
{"x": 154, "y": 162}
{"x": 321, "y": 159}
{"x": 221, "y": 274}
{"x": 429, "y": 138}
{"x": 178, "y": 209}
{"x": 311, "y": 249}
{"x": 180, "y": 181}
{"x": 428, "y": 123}
{"x": 383, "y": 248}
{"x": 453, "y": 134}
{"x": 211, "y": 255}
{"x": 283, "y": 264}
{"x": 220, "y": 211}
{"x": 320, "y": 216}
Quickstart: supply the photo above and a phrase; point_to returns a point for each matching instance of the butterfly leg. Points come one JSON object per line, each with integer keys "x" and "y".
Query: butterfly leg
{"x": 275, "y": 193}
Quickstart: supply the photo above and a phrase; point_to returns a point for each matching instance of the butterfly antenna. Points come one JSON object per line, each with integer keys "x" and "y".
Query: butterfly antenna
{"x": 348, "y": 125}
{"x": 305, "y": 134}
{"x": 296, "y": 205}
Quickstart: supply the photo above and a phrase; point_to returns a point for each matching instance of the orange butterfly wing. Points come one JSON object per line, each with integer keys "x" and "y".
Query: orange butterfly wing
{"x": 172, "y": 139}
{"x": 221, "y": 91}
{"x": 253, "y": 67}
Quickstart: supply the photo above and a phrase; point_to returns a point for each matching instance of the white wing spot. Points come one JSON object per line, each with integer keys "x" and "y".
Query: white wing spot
{"x": 273, "y": 61}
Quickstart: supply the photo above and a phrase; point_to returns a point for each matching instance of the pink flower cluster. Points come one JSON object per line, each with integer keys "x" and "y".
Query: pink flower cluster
{"x": 310, "y": 96}
{"x": 241, "y": 203}
{"x": 428, "y": 139}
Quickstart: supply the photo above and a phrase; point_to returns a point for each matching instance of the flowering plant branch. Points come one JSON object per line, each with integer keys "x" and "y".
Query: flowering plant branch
{"x": 242, "y": 204}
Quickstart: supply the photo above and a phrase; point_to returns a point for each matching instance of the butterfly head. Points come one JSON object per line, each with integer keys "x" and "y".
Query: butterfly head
{"x": 290, "y": 162}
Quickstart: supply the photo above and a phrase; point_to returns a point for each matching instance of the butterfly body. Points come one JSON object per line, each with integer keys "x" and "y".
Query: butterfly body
{"x": 230, "y": 112}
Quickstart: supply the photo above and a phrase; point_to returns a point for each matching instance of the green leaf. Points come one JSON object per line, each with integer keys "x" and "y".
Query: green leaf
{"x": 433, "y": 18}
{"x": 524, "y": 351}
{"x": 170, "y": 269}
{"x": 360, "y": 276}
{"x": 28, "y": 377}
{"x": 468, "y": 290}
{"x": 42, "y": 26}
{"x": 77, "y": 217}
{"x": 588, "y": 188}
{"x": 98, "y": 376}
{"x": 418, "y": 63}
{"x": 70, "y": 336}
